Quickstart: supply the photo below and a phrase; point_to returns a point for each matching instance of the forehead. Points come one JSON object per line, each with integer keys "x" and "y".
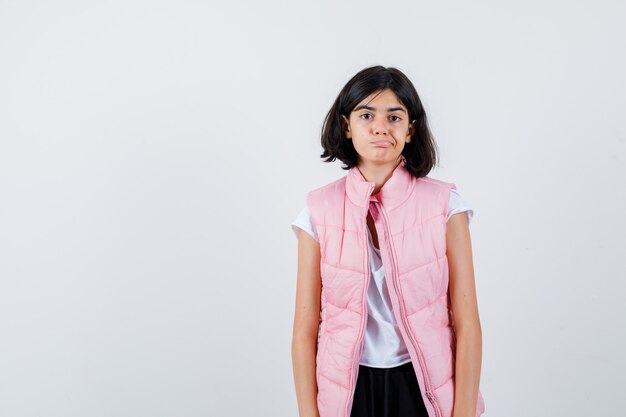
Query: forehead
{"x": 380, "y": 100}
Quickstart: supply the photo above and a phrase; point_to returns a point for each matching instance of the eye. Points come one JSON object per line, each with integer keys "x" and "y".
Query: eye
{"x": 398, "y": 118}
{"x": 364, "y": 114}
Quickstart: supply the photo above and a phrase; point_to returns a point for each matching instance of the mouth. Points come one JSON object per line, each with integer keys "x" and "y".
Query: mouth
{"x": 382, "y": 143}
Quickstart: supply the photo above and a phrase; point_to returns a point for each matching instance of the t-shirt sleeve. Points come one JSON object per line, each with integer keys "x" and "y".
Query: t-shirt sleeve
{"x": 304, "y": 222}
{"x": 458, "y": 204}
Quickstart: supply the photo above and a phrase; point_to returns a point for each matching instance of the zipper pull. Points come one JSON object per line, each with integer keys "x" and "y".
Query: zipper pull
{"x": 374, "y": 209}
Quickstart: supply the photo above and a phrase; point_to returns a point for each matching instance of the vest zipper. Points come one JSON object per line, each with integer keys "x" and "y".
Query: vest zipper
{"x": 364, "y": 312}
{"x": 394, "y": 268}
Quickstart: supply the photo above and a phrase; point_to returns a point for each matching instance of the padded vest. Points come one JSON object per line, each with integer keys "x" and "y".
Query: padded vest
{"x": 410, "y": 219}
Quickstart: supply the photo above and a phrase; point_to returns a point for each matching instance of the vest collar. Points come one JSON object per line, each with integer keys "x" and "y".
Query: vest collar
{"x": 393, "y": 193}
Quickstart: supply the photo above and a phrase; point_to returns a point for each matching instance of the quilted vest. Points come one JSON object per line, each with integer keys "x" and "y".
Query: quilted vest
{"x": 410, "y": 219}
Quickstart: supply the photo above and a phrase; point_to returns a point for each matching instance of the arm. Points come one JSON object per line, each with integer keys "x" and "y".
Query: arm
{"x": 464, "y": 308}
{"x": 306, "y": 324}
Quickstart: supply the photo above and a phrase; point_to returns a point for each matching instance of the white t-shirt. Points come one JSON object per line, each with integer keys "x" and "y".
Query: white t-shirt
{"x": 383, "y": 346}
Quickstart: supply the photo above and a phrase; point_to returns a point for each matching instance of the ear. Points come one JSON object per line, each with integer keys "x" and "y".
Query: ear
{"x": 411, "y": 131}
{"x": 345, "y": 126}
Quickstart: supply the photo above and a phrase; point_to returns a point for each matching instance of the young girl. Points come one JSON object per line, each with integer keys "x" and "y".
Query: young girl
{"x": 386, "y": 320}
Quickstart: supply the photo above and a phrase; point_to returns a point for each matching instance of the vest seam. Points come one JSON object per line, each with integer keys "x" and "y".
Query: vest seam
{"x": 324, "y": 187}
{"x": 434, "y": 181}
{"x": 429, "y": 304}
{"x": 420, "y": 266}
{"x": 327, "y": 225}
{"x": 444, "y": 382}
{"x": 322, "y": 374}
{"x": 341, "y": 308}
{"x": 417, "y": 223}
{"x": 342, "y": 267}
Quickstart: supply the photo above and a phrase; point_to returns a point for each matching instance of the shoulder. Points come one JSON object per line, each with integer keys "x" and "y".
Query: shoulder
{"x": 331, "y": 186}
{"x": 305, "y": 222}
{"x": 458, "y": 204}
{"x": 435, "y": 183}
{"x": 321, "y": 196}
{"x": 440, "y": 190}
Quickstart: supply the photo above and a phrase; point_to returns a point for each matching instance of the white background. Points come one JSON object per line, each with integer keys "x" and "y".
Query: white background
{"x": 153, "y": 155}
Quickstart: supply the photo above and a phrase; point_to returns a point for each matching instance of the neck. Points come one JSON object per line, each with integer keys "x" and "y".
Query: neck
{"x": 378, "y": 173}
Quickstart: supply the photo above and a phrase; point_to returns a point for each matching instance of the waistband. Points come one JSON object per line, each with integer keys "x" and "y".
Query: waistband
{"x": 406, "y": 367}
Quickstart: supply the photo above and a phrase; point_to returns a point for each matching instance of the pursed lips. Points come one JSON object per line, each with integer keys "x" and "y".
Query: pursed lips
{"x": 383, "y": 143}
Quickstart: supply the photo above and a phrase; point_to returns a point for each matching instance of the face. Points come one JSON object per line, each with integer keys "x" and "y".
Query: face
{"x": 379, "y": 128}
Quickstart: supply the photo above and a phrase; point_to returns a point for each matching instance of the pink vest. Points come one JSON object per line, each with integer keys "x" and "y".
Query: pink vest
{"x": 410, "y": 217}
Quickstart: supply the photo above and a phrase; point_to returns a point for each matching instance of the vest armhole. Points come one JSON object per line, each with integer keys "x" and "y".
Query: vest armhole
{"x": 313, "y": 213}
{"x": 446, "y": 210}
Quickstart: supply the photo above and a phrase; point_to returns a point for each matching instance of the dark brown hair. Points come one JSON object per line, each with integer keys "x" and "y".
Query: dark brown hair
{"x": 420, "y": 153}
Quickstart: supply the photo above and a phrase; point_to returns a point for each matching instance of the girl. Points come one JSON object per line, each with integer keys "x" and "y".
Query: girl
{"x": 386, "y": 318}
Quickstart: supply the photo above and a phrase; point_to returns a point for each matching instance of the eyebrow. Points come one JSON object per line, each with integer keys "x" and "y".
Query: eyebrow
{"x": 366, "y": 107}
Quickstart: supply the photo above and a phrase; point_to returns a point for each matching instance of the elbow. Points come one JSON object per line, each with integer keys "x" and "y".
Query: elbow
{"x": 472, "y": 329}
{"x": 305, "y": 336}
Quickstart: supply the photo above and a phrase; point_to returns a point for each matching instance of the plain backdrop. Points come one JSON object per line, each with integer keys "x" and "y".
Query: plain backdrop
{"x": 154, "y": 153}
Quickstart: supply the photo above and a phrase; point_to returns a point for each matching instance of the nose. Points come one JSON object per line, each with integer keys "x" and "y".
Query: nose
{"x": 380, "y": 127}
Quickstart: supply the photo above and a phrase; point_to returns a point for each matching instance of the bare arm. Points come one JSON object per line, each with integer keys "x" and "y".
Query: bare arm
{"x": 464, "y": 308}
{"x": 306, "y": 324}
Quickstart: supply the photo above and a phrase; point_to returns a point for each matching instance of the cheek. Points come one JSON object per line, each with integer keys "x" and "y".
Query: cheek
{"x": 359, "y": 130}
{"x": 401, "y": 131}
{"x": 401, "y": 128}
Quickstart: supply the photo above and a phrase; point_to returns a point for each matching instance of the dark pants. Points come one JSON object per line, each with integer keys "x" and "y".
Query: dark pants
{"x": 388, "y": 392}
